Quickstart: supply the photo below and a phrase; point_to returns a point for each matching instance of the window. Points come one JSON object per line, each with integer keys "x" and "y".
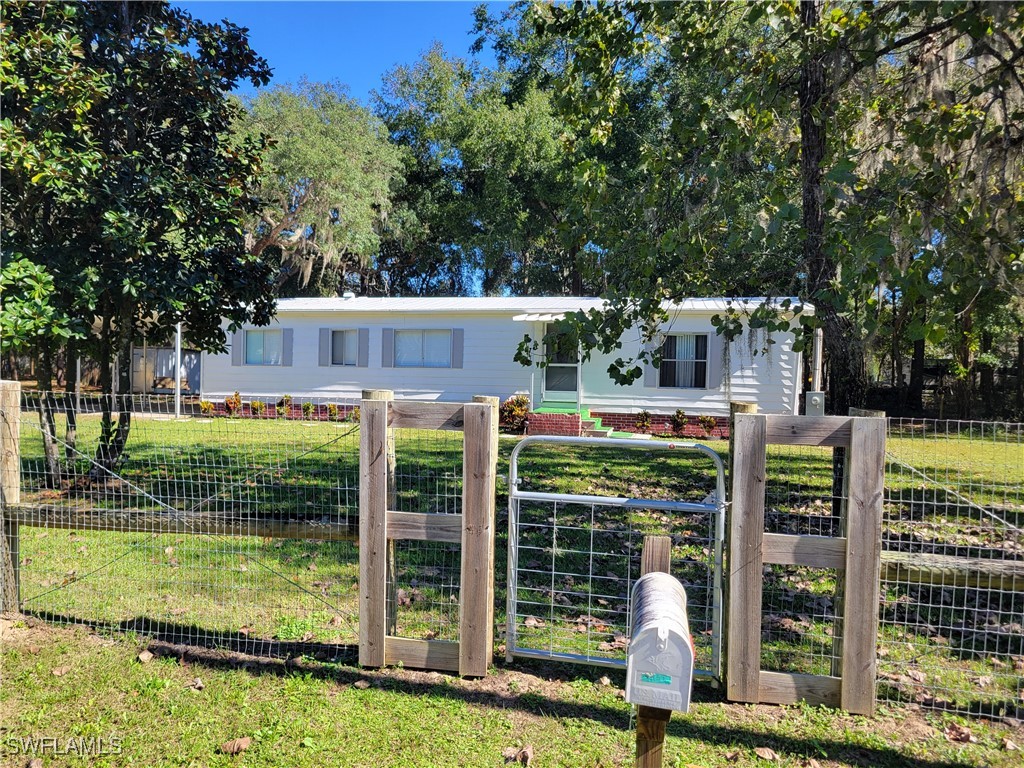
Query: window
{"x": 345, "y": 347}
{"x": 263, "y": 347}
{"x": 423, "y": 349}
{"x": 684, "y": 361}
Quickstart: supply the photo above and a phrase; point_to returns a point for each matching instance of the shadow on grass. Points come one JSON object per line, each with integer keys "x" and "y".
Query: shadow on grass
{"x": 236, "y": 651}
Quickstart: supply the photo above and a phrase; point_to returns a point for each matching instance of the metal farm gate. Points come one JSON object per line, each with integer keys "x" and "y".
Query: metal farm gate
{"x": 573, "y": 558}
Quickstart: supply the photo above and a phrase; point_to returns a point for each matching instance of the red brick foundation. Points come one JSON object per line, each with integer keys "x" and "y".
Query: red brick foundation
{"x": 563, "y": 424}
{"x": 661, "y": 424}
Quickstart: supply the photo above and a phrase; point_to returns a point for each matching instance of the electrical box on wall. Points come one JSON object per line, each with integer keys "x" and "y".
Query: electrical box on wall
{"x": 659, "y": 665}
{"x": 814, "y": 403}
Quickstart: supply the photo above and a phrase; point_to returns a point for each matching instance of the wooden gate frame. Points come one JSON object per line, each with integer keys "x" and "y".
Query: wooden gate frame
{"x": 380, "y": 524}
{"x": 856, "y": 554}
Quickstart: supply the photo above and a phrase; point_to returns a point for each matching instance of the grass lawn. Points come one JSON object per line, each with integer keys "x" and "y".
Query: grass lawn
{"x": 297, "y": 599}
{"x": 70, "y": 682}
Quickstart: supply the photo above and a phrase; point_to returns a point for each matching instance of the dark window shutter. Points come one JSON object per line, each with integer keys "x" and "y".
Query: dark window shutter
{"x": 325, "y": 346}
{"x": 287, "y": 339}
{"x": 387, "y": 348}
{"x": 238, "y": 347}
{"x": 363, "y": 360}
{"x": 458, "y": 345}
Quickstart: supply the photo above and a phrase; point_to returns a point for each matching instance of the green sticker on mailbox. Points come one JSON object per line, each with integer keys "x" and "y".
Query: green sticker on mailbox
{"x": 656, "y": 678}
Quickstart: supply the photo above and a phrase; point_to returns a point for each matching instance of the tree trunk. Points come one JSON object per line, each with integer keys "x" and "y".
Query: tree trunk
{"x": 987, "y": 376}
{"x": 47, "y": 425}
{"x": 844, "y": 350}
{"x": 1020, "y": 375}
{"x": 70, "y": 381}
{"x": 113, "y": 439}
{"x": 964, "y": 380}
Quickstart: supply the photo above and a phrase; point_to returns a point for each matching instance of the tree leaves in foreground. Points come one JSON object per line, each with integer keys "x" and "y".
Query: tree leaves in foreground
{"x": 836, "y": 153}
{"x": 121, "y": 177}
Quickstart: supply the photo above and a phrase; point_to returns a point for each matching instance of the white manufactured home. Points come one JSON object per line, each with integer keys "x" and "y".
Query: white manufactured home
{"x": 454, "y": 348}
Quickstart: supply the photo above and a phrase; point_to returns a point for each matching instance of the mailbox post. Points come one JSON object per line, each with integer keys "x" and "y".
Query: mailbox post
{"x": 659, "y": 665}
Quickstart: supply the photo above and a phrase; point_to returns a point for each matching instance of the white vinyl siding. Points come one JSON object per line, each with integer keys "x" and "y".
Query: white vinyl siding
{"x": 345, "y": 347}
{"x": 263, "y": 348}
{"x": 423, "y": 349}
{"x": 684, "y": 361}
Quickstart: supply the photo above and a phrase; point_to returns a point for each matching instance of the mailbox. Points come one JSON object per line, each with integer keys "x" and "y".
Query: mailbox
{"x": 659, "y": 665}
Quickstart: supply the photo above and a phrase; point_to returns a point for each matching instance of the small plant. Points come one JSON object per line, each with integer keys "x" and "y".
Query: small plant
{"x": 233, "y": 404}
{"x": 707, "y": 423}
{"x": 643, "y": 421}
{"x": 258, "y": 408}
{"x": 284, "y": 406}
{"x": 332, "y": 412}
{"x": 206, "y": 407}
{"x": 307, "y": 410}
{"x": 353, "y": 415}
{"x": 513, "y": 412}
{"x": 678, "y": 421}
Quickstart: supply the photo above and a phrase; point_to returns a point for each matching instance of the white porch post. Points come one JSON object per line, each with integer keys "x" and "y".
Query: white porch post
{"x": 177, "y": 371}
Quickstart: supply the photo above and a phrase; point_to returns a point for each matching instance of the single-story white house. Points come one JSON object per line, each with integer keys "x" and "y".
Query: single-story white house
{"x": 454, "y": 348}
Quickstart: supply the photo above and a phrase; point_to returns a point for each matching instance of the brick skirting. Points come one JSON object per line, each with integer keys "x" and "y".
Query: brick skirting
{"x": 563, "y": 424}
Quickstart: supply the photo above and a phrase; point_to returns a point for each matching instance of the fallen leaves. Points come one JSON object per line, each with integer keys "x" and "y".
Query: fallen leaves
{"x": 522, "y": 756}
{"x": 766, "y": 753}
{"x": 959, "y": 733}
{"x": 362, "y": 685}
{"x": 60, "y": 671}
{"x": 196, "y": 685}
{"x": 145, "y": 657}
{"x": 1009, "y": 744}
{"x": 235, "y": 746}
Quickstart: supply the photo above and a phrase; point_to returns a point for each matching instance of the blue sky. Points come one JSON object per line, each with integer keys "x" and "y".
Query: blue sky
{"x": 354, "y": 42}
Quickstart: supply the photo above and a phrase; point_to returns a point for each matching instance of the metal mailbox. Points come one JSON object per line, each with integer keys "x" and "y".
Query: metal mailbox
{"x": 659, "y": 663}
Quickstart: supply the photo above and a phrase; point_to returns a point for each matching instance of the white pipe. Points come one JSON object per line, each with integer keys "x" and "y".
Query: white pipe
{"x": 78, "y": 385}
{"x": 177, "y": 371}
{"x": 817, "y": 353}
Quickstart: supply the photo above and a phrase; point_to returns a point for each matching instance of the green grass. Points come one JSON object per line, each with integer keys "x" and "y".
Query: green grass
{"x": 307, "y": 713}
{"x": 244, "y": 592}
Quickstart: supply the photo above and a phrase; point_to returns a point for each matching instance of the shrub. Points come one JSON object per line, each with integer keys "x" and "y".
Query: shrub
{"x": 284, "y": 406}
{"x": 233, "y": 404}
{"x": 332, "y": 412}
{"x": 258, "y": 408}
{"x": 307, "y": 410}
{"x": 513, "y": 412}
{"x": 353, "y": 415}
{"x": 643, "y": 421}
{"x": 707, "y": 423}
{"x": 206, "y": 407}
{"x": 678, "y": 421}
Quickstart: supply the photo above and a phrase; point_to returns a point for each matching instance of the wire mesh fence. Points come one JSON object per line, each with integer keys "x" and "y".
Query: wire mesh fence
{"x": 232, "y": 526}
{"x": 952, "y": 583}
{"x": 573, "y": 562}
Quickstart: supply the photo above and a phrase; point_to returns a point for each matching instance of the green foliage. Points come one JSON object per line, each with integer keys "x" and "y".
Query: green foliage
{"x": 353, "y": 415}
{"x": 27, "y": 314}
{"x": 258, "y": 408}
{"x": 307, "y": 410}
{"x": 120, "y": 173}
{"x": 284, "y": 406}
{"x": 707, "y": 424}
{"x": 513, "y": 412}
{"x": 326, "y": 183}
{"x": 643, "y": 421}
{"x": 678, "y": 421}
{"x": 332, "y": 412}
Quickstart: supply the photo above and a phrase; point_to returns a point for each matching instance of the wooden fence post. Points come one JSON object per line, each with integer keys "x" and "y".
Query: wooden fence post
{"x": 655, "y": 557}
{"x": 863, "y": 563}
{"x": 476, "y": 607}
{"x": 746, "y": 532}
{"x": 10, "y": 493}
{"x": 734, "y": 408}
{"x": 494, "y": 403}
{"x": 392, "y": 504}
{"x": 375, "y": 465}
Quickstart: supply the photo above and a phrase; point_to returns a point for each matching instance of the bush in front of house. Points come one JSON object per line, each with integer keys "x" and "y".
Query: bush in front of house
{"x": 643, "y": 421}
{"x": 513, "y": 412}
{"x": 307, "y": 410}
{"x": 353, "y": 415}
{"x": 678, "y": 421}
{"x": 258, "y": 408}
{"x": 284, "y": 406}
{"x": 233, "y": 404}
{"x": 206, "y": 408}
{"x": 332, "y": 412}
{"x": 707, "y": 423}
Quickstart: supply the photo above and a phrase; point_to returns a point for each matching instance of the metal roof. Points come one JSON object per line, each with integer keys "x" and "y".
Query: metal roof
{"x": 530, "y": 305}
